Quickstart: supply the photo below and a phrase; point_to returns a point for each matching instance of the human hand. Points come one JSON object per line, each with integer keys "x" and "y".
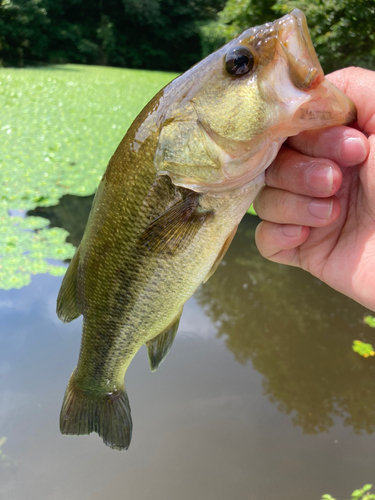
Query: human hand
{"x": 318, "y": 205}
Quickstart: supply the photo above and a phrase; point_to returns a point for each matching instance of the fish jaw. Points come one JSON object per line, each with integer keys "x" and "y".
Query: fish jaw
{"x": 327, "y": 106}
{"x": 294, "y": 37}
{"x": 296, "y": 81}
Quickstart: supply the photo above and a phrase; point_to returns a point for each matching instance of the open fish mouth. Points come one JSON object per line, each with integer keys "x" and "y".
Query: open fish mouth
{"x": 324, "y": 105}
{"x": 304, "y": 67}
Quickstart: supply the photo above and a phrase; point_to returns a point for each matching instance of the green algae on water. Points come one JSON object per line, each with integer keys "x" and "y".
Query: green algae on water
{"x": 59, "y": 126}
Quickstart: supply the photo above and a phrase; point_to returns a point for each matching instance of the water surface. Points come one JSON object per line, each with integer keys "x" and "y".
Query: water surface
{"x": 260, "y": 397}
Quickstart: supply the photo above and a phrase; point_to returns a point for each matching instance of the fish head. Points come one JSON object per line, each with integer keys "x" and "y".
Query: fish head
{"x": 239, "y": 104}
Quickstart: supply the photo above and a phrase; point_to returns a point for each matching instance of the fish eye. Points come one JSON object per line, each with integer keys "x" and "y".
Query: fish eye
{"x": 238, "y": 61}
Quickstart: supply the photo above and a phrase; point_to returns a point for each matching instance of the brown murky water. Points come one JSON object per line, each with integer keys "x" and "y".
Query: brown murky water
{"x": 260, "y": 398}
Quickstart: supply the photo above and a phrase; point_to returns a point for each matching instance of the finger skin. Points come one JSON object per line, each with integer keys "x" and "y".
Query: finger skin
{"x": 358, "y": 85}
{"x": 344, "y": 145}
{"x": 342, "y": 253}
{"x": 279, "y": 243}
{"x": 284, "y": 207}
{"x": 302, "y": 174}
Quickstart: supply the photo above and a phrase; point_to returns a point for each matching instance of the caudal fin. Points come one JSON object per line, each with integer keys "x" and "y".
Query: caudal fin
{"x": 107, "y": 414}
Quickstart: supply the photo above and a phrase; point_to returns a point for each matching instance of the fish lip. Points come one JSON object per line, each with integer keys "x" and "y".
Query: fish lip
{"x": 304, "y": 76}
{"x": 294, "y": 38}
{"x": 327, "y": 106}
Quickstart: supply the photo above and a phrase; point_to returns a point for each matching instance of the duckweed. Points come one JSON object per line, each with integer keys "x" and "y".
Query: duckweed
{"x": 59, "y": 126}
{"x": 363, "y": 349}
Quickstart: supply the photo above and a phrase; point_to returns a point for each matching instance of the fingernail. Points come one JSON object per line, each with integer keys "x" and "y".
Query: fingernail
{"x": 320, "y": 178}
{"x": 353, "y": 150}
{"x": 321, "y": 208}
{"x": 291, "y": 230}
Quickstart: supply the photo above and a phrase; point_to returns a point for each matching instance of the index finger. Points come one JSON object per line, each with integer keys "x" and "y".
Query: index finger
{"x": 344, "y": 145}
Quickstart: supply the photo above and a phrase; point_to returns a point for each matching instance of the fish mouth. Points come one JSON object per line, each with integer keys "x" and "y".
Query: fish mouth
{"x": 295, "y": 41}
{"x": 320, "y": 104}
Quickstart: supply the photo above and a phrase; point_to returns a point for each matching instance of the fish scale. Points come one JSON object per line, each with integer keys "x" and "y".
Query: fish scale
{"x": 170, "y": 201}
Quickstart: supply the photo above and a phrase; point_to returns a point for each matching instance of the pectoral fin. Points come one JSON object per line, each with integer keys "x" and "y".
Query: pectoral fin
{"x": 159, "y": 347}
{"x": 67, "y": 307}
{"x": 222, "y": 252}
{"x": 175, "y": 228}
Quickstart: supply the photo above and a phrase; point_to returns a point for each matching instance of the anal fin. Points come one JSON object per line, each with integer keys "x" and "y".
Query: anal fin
{"x": 67, "y": 306}
{"x": 221, "y": 254}
{"x": 159, "y": 347}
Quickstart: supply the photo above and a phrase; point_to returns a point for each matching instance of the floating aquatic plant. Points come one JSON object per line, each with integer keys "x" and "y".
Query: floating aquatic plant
{"x": 362, "y": 348}
{"x": 360, "y": 494}
{"x": 59, "y": 127}
{"x": 370, "y": 321}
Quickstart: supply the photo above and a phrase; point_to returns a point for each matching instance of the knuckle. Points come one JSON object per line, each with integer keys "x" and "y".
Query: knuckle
{"x": 309, "y": 143}
{"x": 284, "y": 205}
{"x": 275, "y": 172}
{"x": 261, "y": 239}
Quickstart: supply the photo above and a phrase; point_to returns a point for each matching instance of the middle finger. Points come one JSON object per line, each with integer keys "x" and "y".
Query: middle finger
{"x": 283, "y": 207}
{"x": 298, "y": 173}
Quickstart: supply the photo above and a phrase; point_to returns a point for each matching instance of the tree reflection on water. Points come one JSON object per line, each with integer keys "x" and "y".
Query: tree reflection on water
{"x": 297, "y": 333}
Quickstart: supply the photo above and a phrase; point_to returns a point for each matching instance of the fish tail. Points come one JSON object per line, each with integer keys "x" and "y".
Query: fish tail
{"x": 107, "y": 414}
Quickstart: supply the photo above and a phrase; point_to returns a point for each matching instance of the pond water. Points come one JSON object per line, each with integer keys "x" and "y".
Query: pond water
{"x": 260, "y": 397}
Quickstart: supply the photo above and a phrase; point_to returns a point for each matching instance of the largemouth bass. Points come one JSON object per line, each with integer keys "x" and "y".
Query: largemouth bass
{"x": 170, "y": 202}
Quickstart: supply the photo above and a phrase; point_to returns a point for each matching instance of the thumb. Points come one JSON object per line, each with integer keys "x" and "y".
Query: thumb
{"x": 358, "y": 84}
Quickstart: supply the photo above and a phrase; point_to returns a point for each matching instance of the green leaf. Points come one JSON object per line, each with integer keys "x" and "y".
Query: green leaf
{"x": 57, "y": 270}
{"x": 364, "y": 350}
{"x": 357, "y": 494}
{"x": 251, "y": 210}
{"x": 33, "y": 223}
{"x": 59, "y": 129}
{"x": 361, "y": 494}
{"x": 367, "y": 486}
{"x": 370, "y": 321}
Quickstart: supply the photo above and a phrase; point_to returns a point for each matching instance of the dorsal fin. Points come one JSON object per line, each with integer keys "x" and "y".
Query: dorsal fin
{"x": 67, "y": 306}
{"x": 159, "y": 347}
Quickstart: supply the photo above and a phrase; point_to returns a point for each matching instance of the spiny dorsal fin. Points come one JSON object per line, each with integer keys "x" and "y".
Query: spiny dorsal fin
{"x": 159, "y": 347}
{"x": 175, "y": 228}
{"x": 222, "y": 252}
{"x": 67, "y": 307}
